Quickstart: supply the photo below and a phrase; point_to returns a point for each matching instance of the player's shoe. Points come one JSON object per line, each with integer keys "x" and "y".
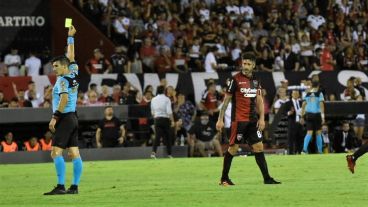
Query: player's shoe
{"x": 58, "y": 190}
{"x": 170, "y": 157}
{"x": 73, "y": 189}
{"x": 153, "y": 155}
{"x": 226, "y": 182}
{"x": 351, "y": 163}
{"x": 271, "y": 181}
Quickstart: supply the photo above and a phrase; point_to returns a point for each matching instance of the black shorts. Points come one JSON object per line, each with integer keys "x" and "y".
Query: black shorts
{"x": 66, "y": 131}
{"x": 245, "y": 131}
{"x": 313, "y": 121}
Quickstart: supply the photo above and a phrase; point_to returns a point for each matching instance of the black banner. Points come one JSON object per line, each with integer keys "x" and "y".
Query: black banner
{"x": 25, "y": 25}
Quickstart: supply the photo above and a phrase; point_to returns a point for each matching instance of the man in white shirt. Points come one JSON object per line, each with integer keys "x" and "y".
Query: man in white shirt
{"x": 210, "y": 63}
{"x": 247, "y": 11}
{"x": 33, "y": 65}
{"x": 13, "y": 62}
{"x": 315, "y": 20}
{"x": 162, "y": 113}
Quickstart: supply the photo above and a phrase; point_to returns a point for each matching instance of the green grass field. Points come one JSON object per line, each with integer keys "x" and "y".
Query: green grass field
{"x": 308, "y": 180}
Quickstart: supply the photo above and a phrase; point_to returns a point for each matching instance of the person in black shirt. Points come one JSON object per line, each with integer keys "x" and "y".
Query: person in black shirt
{"x": 110, "y": 131}
{"x": 203, "y": 135}
{"x": 265, "y": 63}
{"x": 119, "y": 60}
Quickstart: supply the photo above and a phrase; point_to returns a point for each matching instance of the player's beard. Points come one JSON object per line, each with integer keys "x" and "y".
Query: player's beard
{"x": 247, "y": 73}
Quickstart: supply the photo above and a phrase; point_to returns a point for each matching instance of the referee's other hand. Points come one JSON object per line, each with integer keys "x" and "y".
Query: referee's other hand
{"x": 52, "y": 125}
{"x": 71, "y": 31}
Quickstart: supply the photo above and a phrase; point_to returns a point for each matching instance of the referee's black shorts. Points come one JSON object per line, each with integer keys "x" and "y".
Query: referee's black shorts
{"x": 66, "y": 131}
{"x": 313, "y": 121}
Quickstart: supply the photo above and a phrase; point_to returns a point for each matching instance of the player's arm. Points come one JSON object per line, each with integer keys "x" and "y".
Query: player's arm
{"x": 226, "y": 102}
{"x": 98, "y": 137}
{"x": 63, "y": 101}
{"x": 302, "y": 113}
{"x": 70, "y": 49}
{"x": 260, "y": 107}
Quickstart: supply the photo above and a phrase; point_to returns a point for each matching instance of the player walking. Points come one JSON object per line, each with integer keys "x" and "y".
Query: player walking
{"x": 244, "y": 90}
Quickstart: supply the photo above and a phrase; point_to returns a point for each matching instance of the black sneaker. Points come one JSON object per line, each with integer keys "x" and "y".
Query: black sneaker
{"x": 271, "y": 181}
{"x": 226, "y": 182}
{"x": 58, "y": 190}
{"x": 73, "y": 189}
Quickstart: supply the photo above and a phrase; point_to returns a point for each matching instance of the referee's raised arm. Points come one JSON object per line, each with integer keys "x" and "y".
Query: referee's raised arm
{"x": 70, "y": 49}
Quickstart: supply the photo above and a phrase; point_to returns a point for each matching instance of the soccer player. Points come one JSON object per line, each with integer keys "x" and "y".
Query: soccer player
{"x": 314, "y": 111}
{"x": 64, "y": 122}
{"x": 244, "y": 90}
{"x": 351, "y": 159}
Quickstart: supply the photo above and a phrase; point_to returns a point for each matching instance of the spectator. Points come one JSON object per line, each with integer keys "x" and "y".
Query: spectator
{"x": 350, "y": 93}
{"x": 167, "y": 35}
{"x": 265, "y": 63}
{"x": 291, "y": 62}
{"x": 359, "y": 87}
{"x": 9, "y": 144}
{"x": 13, "y": 61}
{"x": 210, "y": 102}
{"x": 33, "y": 65}
{"x": 327, "y": 138}
{"x": 32, "y": 145}
{"x": 46, "y": 143}
{"x": 105, "y": 95}
{"x": 163, "y": 62}
{"x": 361, "y": 59}
{"x": 195, "y": 55}
{"x": 147, "y": 53}
{"x": 121, "y": 28}
{"x": 282, "y": 98}
{"x": 119, "y": 60}
{"x": 344, "y": 140}
{"x": 210, "y": 63}
{"x": 315, "y": 20}
{"x": 306, "y": 51}
{"x": 3, "y": 68}
{"x": 110, "y": 131}
{"x": 203, "y": 135}
{"x": 3, "y": 102}
{"x": 93, "y": 99}
{"x": 135, "y": 64}
{"x": 326, "y": 59}
{"x": 185, "y": 110}
{"x": 14, "y": 103}
{"x": 179, "y": 62}
{"x": 171, "y": 93}
{"x": 117, "y": 94}
{"x": 98, "y": 64}
{"x": 315, "y": 60}
{"x": 20, "y": 97}
{"x": 147, "y": 97}
{"x": 347, "y": 59}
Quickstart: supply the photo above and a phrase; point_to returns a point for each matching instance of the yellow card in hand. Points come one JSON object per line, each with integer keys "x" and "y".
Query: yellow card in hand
{"x": 68, "y": 22}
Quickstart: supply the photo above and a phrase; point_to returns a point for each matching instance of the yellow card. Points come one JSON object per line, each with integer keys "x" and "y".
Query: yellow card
{"x": 68, "y": 22}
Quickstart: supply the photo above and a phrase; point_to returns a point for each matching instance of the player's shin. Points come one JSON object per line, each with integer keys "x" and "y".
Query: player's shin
{"x": 361, "y": 151}
{"x": 227, "y": 164}
{"x": 262, "y": 164}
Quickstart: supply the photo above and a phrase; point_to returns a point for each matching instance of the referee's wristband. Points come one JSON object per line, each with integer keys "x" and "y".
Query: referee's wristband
{"x": 70, "y": 40}
{"x": 56, "y": 115}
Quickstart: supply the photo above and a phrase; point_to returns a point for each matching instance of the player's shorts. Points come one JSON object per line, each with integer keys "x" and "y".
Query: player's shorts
{"x": 66, "y": 131}
{"x": 313, "y": 121}
{"x": 245, "y": 132}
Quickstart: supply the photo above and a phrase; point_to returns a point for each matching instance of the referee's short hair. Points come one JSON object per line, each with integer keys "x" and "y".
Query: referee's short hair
{"x": 62, "y": 59}
{"x": 248, "y": 56}
{"x": 160, "y": 90}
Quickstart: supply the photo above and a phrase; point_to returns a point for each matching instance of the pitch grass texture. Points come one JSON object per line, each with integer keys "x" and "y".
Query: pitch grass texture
{"x": 307, "y": 180}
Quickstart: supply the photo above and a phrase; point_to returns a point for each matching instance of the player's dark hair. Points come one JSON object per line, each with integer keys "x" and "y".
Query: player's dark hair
{"x": 248, "y": 56}
{"x": 107, "y": 107}
{"x": 62, "y": 59}
{"x": 160, "y": 89}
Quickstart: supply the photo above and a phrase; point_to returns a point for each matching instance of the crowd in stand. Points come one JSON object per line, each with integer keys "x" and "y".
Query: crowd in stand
{"x": 208, "y": 36}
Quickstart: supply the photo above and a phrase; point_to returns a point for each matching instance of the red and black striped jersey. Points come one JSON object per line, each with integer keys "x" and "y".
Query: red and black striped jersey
{"x": 244, "y": 91}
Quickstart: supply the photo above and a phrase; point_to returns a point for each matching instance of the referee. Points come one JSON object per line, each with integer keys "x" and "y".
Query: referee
{"x": 162, "y": 114}
{"x": 64, "y": 122}
{"x": 314, "y": 111}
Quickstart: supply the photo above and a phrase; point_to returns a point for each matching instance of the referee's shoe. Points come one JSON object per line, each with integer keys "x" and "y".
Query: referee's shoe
{"x": 73, "y": 189}
{"x": 58, "y": 190}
